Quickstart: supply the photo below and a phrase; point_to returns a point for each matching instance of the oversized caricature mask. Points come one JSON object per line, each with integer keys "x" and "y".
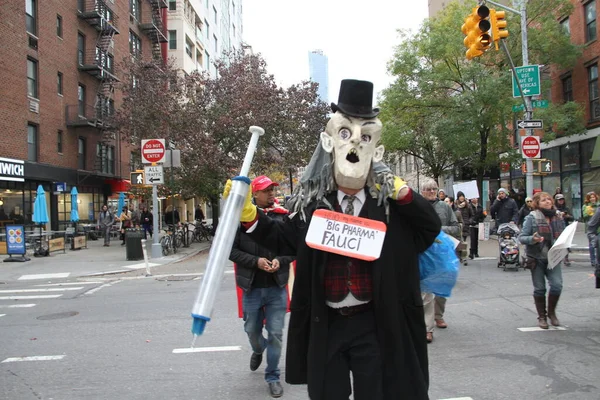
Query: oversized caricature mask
{"x": 354, "y": 144}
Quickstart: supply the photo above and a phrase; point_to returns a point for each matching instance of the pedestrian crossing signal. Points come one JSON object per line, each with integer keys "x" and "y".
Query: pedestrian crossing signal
{"x": 545, "y": 166}
{"x": 137, "y": 178}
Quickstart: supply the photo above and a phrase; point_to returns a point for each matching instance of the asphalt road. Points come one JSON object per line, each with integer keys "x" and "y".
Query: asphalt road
{"x": 127, "y": 336}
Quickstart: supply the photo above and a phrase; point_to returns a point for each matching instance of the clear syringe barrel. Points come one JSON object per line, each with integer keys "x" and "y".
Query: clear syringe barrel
{"x": 223, "y": 241}
{"x": 220, "y": 250}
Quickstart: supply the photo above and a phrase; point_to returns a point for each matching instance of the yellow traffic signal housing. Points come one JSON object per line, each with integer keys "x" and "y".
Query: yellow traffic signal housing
{"x": 477, "y": 30}
{"x": 499, "y": 24}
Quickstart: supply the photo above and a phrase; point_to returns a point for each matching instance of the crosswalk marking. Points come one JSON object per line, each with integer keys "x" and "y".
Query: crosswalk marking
{"x": 206, "y": 349}
{"x": 18, "y": 306}
{"x": 68, "y": 284}
{"x": 41, "y": 296}
{"x": 39, "y": 290}
{"x": 44, "y": 276}
{"x": 33, "y": 358}
{"x": 536, "y": 329}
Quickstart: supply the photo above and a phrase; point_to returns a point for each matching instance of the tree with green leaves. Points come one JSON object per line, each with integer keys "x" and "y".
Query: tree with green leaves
{"x": 453, "y": 113}
{"x": 207, "y": 118}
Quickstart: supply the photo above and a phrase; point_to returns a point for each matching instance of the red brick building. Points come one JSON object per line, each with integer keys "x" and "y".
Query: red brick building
{"x": 58, "y": 69}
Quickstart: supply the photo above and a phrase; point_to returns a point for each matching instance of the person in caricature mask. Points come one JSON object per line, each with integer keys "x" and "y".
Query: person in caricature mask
{"x": 350, "y": 316}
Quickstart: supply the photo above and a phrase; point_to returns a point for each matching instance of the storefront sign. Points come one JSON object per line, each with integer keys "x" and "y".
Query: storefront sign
{"x": 60, "y": 186}
{"x": 79, "y": 242}
{"x": 12, "y": 170}
{"x": 15, "y": 239}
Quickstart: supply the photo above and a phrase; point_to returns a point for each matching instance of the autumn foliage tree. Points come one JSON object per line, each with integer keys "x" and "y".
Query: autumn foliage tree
{"x": 207, "y": 118}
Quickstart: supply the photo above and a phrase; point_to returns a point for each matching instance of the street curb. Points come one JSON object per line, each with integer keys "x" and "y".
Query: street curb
{"x": 116, "y": 272}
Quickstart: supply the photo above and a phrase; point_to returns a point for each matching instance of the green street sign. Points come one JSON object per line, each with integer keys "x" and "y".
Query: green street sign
{"x": 534, "y": 104}
{"x": 529, "y": 78}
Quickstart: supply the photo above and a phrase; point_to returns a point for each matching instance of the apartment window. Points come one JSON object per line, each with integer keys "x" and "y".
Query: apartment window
{"x": 207, "y": 31}
{"x": 135, "y": 8}
{"x": 80, "y": 48}
{"x": 198, "y": 61}
{"x": 135, "y": 44}
{"x": 31, "y": 16}
{"x": 59, "y": 28}
{"x": 106, "y": 156}
{"x": 593, "y": 89}
{"x": 233, "y": 8}
{"x": 81, "y": 153}
{"x": 32, "y": 142}
{"x": 32, "y": 78}
{"x": 567, "y": 88}
{"x": 215, "y": 44}
{"x": 59, "y": 83}
{"x": 189, "y": 46}
{"x": 207, "y": 61}
{"x": 81, "y": 100}
{"x": 59, "y": 141}
{"x": 233, "y": 29}
{"x": 590, "y": 21}
{"x": 215, "y": 14}
{"x": 172, "y": 40}
{"x": 172, "y": 5}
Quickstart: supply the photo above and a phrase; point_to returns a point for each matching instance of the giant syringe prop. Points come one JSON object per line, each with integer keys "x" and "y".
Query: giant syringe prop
{"x": 223, "y": 241}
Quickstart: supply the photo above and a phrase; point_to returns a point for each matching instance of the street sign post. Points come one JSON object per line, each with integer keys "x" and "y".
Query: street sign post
{"x": 534, "y": 104}
{"x": 154, "y": 175}
{"x": 529, "y": 78}
{"x": 530, "y": 146}
{"x": 137, "y": 178}
{"x": 153, "y": 150}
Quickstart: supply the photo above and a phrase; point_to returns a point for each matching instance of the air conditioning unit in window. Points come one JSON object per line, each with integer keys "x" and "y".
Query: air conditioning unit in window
{"x": 34, "y": 106}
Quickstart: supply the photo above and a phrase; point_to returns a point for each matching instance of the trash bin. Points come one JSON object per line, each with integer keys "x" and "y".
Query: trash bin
{"x": 133, "y": 244}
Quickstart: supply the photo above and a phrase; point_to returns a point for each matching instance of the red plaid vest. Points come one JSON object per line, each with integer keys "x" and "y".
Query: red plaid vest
{"x": 345, "y": 274}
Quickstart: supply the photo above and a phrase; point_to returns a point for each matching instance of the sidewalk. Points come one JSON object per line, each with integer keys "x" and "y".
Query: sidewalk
{"x": 95, "y": 260}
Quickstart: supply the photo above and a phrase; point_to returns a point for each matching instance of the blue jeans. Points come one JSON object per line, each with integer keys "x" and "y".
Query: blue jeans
{"x": 268, "y": 304}
{"x": 593, "y": 247}
{"x": 539, "y": 275}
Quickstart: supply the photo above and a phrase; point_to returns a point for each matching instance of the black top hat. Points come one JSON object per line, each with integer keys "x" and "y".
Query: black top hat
{"x": 355, "y": 99}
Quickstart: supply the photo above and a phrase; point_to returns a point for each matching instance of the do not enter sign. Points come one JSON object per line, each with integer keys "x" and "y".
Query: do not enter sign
{"x": 530, "y": 146}
{"x": 153, "y": 150}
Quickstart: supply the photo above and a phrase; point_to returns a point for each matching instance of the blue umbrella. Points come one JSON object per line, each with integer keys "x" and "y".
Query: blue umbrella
{"x": 40, "y": 212}
{"x": 121, "y": 203}
{"x": 74, "y": 206}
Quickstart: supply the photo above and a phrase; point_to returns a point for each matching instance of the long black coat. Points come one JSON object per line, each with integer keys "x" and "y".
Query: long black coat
{"x": 397, "y": 302}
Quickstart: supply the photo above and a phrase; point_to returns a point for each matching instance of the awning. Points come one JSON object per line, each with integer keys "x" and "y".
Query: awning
{"x": 119, "y": 185}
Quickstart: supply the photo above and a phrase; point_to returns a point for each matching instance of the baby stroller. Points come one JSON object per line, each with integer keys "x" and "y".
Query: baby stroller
{"x": 508, "y": 246}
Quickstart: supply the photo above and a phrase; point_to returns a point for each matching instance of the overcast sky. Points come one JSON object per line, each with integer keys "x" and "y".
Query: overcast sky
{"x": 358, "y": 37}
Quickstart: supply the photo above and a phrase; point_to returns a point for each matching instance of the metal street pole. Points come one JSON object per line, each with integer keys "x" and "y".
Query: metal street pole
{"x": 527, "y": 99}
{"x": 528, "y": 109}
{"x": 156, "y": 249}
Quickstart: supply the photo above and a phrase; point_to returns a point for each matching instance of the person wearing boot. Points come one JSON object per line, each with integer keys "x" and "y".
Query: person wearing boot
{"x": 541, "y": 228}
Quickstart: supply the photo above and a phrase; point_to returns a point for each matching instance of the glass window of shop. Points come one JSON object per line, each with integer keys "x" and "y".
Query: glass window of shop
{"x": 569, "y": 157}
{"x": 89, "y": 202}
{"x": 17, "y": 200}
{"x": 588, "y": 148}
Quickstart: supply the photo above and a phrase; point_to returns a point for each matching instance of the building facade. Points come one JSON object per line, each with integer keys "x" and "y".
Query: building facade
{"x": 319, "y": 72}
{"x": 59, "y": 68}
{"x": 200, "y": 31}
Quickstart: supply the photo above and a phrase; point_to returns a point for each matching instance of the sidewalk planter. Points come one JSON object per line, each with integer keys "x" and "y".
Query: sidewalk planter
{"x": 133, "y": 244}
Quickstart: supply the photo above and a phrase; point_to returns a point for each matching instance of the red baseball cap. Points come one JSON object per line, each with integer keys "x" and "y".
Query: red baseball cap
{"x": 262, "y": 182}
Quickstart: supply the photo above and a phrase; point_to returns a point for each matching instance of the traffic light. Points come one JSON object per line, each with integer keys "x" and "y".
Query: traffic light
{"x": 477, "y": 29}
{"x": 499, "y": 31}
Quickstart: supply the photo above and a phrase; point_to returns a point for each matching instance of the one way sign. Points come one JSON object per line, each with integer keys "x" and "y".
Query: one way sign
{"x": 533, "y": 124}
{"x": 154, "y": 175}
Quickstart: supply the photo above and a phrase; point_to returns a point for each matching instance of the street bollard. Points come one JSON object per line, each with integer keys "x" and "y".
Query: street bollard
{"x": 146, "y": 257}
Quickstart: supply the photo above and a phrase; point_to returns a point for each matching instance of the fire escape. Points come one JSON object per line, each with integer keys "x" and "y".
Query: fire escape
{"x": 99, "y": 63}
{"x": 154, "y": 28}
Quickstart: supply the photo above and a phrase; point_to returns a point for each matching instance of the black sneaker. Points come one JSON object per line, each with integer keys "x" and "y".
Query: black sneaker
{"x": 275, "y": 389}
{"x": 255, "y": 361}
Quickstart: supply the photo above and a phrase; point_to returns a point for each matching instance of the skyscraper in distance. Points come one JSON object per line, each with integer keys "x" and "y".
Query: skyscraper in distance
{"x": 319, "y": 72}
